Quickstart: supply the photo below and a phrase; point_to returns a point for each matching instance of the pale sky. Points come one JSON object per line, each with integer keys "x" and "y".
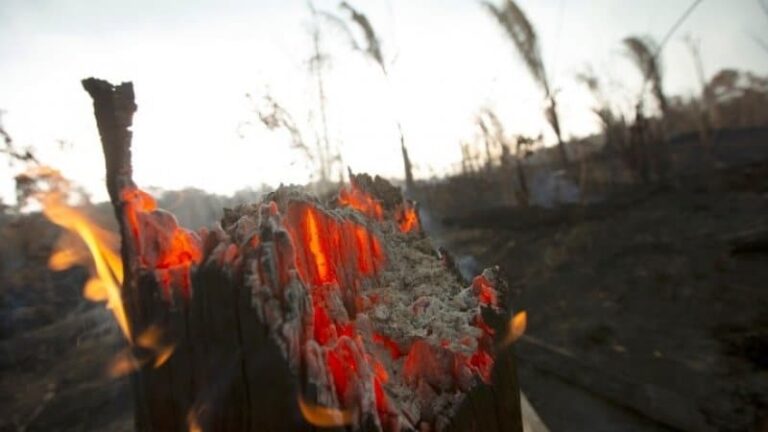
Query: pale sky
{"x": 192, "y": 63}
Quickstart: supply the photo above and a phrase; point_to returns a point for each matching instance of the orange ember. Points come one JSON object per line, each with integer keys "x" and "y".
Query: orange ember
{"x": 389, "y": 344}
{"x": 482, "y": 362}
{"x": 137, "y": 201}
{"x": 359, "y": 200}
{"x": 161, "y": 244}
{"x": 318, "y": 249}
{"x": 325, "y": 243}
{"x": 484, "y": 291}
{"x": 407, "y": 218}
{"x": 181, "y": 251}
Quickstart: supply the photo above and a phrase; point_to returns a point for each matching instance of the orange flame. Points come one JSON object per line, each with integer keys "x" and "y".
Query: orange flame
{"x": 325, "y": 417}
{"x": 123, "y": 363}
{"x": 515, "y": 328}
{"x": 90, "y": 245}
{"x": 152, "y": 339}
{"x": 105, "y": 264}
{"x": 193, "y": 422}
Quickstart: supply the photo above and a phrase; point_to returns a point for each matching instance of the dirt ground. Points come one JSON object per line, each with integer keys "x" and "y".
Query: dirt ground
{"x": 646, "y": 311}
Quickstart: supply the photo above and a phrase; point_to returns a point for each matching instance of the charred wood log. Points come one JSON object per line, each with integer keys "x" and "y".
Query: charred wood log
{"x": 296, "y": 314}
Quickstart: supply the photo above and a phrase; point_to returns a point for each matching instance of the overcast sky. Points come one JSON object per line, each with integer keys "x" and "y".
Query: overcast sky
{"x": 192, "y": 63}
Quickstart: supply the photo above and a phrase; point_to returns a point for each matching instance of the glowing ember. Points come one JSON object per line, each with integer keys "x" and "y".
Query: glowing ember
{"x": 137, "y": 201}
{"x": 324, "y": 244}
{"x": 318, "y": 249}
{"x": 161, "y": 244}
{"x": 484, "y": 291}
{"x": 392, "y": 347}
{"x": 355, "y": 198}
{"x": 407, "y": 218}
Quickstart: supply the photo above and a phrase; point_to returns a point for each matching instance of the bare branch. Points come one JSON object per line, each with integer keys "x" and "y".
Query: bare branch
{"x": 25, "y": 156}
{"x": 275, "y": 117}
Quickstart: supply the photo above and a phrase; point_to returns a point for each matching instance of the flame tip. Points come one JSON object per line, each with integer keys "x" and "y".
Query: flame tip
{"x": 320, "y": 416}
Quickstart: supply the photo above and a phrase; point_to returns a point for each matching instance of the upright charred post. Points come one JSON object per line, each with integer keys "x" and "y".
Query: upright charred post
{"x": 294, "y": 313}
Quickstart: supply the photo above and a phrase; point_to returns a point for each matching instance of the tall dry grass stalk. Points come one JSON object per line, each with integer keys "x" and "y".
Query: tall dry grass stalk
{"x": 613, "y": 126}
{"x": 522, "y": 33}
{"x": 643, "y": 51}
{"x": 705, "y": 105}
{"x": 496, "y": 140}
{"x": 650, "y": 137}
{"x": 759, "y": 41}
{"x": 602, "y": 109}
{"x": 372, "y": 50}
{"x": 317, "y": 66}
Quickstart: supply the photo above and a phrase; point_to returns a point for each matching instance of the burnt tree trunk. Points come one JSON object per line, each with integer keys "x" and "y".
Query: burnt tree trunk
{"x": 226, "y": 372}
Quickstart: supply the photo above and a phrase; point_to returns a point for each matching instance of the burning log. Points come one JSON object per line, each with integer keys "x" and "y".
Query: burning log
{"x": 295, "y": 313}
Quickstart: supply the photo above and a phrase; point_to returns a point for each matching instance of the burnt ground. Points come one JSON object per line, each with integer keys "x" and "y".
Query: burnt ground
{"x": 54, "y": 345}
{"x": 647, "y": 311}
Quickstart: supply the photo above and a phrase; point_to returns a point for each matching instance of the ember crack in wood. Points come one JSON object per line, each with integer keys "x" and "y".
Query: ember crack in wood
{"x": 296, "y": 313}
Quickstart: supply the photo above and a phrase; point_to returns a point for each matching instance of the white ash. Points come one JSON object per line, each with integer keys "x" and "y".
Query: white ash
{"x": 422, "y": 300}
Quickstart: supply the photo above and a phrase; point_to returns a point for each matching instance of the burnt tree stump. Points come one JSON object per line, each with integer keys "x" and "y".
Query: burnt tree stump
{"x": 296, "y": 314}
